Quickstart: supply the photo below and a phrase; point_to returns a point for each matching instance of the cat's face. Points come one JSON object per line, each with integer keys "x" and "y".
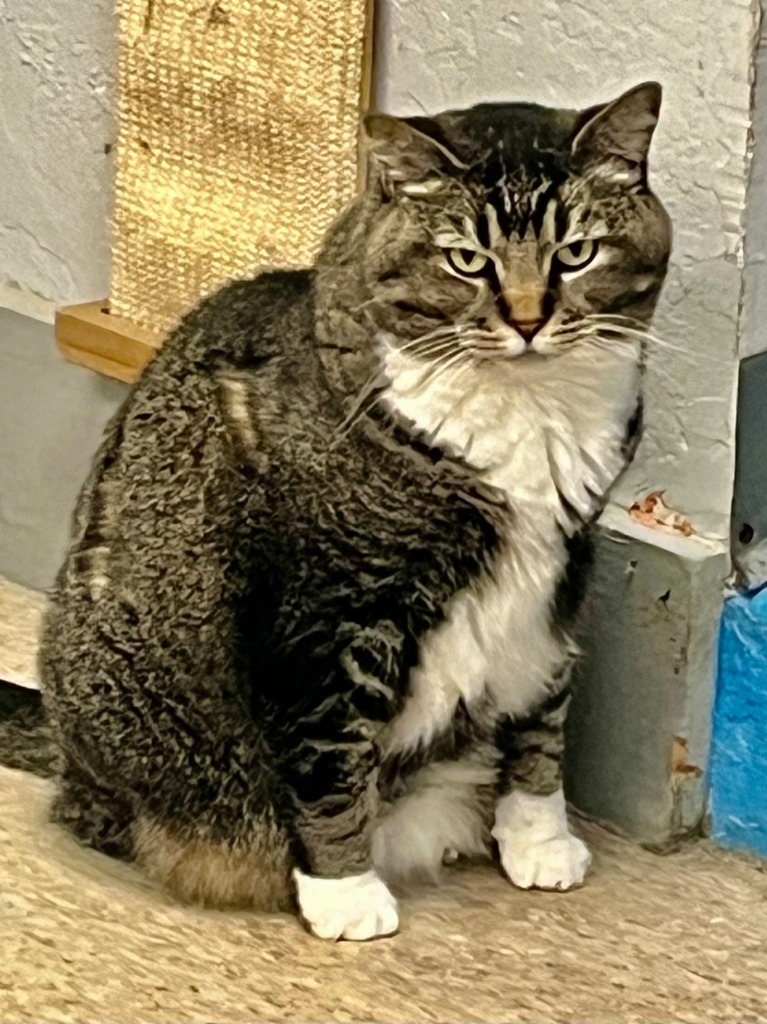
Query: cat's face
{"x": 510, "y": 228}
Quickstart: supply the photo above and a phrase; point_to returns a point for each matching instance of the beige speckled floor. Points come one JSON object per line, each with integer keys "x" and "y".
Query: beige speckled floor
{"x": 21, "y": 611}
{"x": 84, "y": 938}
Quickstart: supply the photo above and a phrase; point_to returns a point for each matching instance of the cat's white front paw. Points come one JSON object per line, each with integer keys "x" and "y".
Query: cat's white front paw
{"x": 358, "y": 907}
{"x": 536, "y": 846}
{"x": 554, "y": 864}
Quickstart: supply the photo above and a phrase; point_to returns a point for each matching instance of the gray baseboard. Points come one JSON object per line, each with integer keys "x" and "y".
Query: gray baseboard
{"x": 52, "y": 415}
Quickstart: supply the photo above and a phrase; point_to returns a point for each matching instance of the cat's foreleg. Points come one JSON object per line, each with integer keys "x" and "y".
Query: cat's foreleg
{"x": 333, "y": 777}
{"x": 537, "y": 848}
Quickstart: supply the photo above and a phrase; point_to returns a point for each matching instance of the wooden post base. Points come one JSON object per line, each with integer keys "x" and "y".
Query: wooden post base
{"x": 89, "y": 335}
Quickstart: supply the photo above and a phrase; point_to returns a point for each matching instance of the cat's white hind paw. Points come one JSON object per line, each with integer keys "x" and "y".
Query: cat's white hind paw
{"x": 536, "y": 846}
{"x": 358, "y": 907}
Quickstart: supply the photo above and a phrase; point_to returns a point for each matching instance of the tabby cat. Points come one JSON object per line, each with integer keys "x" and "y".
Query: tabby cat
{"x": 313, "y": 634}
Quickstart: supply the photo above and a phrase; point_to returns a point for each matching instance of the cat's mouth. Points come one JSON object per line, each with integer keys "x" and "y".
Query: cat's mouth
{"x": 509, "y": 343}
{"x": 463, "y": 343}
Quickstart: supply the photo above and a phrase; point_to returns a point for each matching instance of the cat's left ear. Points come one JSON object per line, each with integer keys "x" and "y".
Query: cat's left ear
{"x": 616, "y": 139}
{"x": 409, "y": 154}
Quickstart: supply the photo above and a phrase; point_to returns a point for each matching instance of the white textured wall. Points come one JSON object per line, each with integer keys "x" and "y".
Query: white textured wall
{"x": 55, "y": 179}
{"x": 56, "y": 62}
{"x": 434, "y": 54}
{"x": 753, "y": 327}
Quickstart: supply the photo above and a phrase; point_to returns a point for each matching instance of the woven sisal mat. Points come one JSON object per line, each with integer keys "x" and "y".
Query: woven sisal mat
{"x": 87, "y": 939}
{"x": 238, "y": 126}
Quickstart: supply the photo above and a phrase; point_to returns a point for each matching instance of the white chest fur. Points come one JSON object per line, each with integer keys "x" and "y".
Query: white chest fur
{"x": 538, "y": 429}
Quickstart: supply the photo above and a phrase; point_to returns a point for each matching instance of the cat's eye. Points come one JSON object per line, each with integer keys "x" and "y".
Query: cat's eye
{"x": 467, "y": 262}
{"x": 576, "y": 255}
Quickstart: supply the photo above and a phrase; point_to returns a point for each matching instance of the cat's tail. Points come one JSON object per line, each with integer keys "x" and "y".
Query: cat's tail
{"x": 26, "y": 737}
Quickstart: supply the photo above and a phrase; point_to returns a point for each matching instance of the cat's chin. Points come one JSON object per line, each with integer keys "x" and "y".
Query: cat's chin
{"x": 527, "y": 361}
{"x": 527, "y": 355}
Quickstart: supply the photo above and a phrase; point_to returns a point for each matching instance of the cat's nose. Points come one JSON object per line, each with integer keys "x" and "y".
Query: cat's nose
{"x": 528, "y": 328}
{"x": 525, "y": 307}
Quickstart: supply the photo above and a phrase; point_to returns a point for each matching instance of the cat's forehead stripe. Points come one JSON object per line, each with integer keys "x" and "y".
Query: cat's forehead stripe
{"x": 523, "y": 210}
{"x": 520, "y": 189}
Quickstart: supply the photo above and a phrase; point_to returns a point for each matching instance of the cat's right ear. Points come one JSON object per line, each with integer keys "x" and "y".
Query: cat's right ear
{"x": 620, "y": 132}
{"x": 408, "y": 154}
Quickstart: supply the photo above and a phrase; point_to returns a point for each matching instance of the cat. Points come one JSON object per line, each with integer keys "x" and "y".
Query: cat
{"x": 314, "y": 631}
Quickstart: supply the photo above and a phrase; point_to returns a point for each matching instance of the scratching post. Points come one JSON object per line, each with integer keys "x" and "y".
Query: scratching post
{"x": 237, "y": 145}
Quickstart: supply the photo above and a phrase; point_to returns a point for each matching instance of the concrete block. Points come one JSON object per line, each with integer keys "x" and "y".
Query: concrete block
{"x": 639, "y": 728}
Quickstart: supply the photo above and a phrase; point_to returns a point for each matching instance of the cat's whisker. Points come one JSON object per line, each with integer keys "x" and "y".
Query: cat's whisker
{"x": 375, "y": 391}
{"x": 609, "y": 345}
{"x": 624, "y": 330}
{"x": 360, "y": 412}
{"x": 459, "y": 371}
{"x": 441, "y": 367}
{"x": 655, "y": 340}
{"x": 435, "y": 370}
{"x": 438, "y": 333}
{"x": 620, "y": 333}
{"x": 564, "y": 342}
{"x": 485, "y": 350}
{"x": 633, "y": 321}
{"x": 569, "y": 331}
{"x": 430, "y": 349}
{"x": 423, "y": 338}
{"x": 372, "y": 389}
{"x": 372, "y": 386}
{"x": 601, "y": 320}
{"x": 434, "y": 348}
{"x": 632, "y": 327}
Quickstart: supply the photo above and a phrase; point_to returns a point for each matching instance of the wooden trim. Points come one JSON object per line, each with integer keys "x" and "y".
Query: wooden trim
{"x": 366, "y": 89}
{"x": 89, "y": 335}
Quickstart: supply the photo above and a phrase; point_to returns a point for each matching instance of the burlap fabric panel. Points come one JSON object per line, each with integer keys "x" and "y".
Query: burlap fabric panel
{"x": 238, "y": 128}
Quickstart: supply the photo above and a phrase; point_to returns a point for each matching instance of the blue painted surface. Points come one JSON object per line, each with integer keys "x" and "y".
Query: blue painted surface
{"x": 739, "y": 744}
